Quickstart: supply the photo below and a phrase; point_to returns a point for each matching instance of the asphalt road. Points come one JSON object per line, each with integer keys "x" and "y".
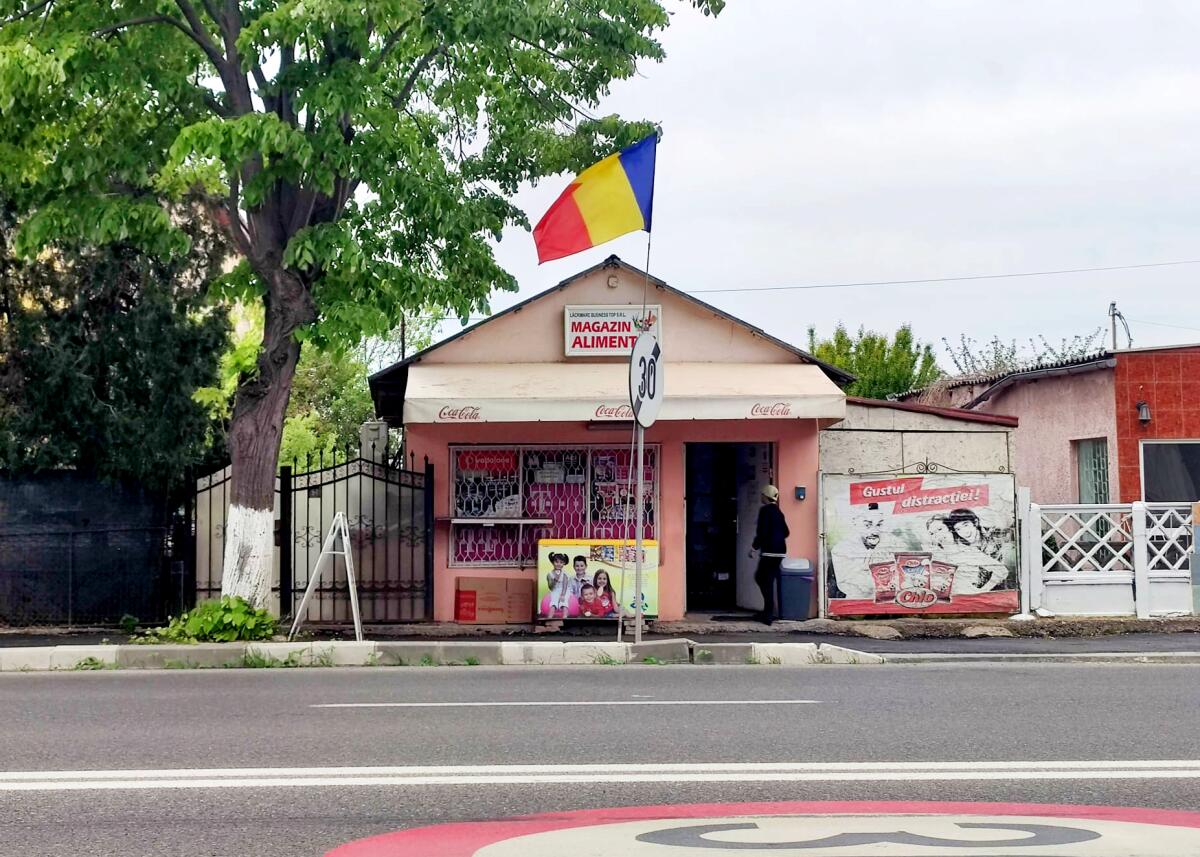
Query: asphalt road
{"x": 968, "y": 716}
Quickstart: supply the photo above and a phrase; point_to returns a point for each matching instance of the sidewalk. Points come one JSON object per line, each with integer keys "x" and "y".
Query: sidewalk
{"x": 1041, "y": 637}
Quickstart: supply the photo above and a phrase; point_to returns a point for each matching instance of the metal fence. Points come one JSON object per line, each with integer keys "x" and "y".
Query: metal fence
{"x": 389, "y": 513}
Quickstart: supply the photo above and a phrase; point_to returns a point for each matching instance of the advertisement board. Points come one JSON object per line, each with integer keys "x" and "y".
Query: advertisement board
{"x": 607, "y": 330}
{"x": 582, "y": 579}
{"x": 930, "y": 543}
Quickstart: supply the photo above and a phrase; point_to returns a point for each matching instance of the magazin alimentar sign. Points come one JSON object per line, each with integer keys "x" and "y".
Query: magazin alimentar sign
{"x": 607, "y": 330}
{"x": 920, "y": 544}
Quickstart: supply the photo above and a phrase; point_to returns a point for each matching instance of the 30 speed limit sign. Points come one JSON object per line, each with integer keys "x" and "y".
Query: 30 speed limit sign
{"x": 646, "y": 379}
{"x": 817, "y": 829}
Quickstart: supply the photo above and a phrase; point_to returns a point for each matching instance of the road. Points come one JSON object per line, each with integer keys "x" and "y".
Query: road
{"x": 430, "y": 723}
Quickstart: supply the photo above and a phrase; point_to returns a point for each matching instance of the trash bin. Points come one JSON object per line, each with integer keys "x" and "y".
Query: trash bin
{"x": 796, "y": 580}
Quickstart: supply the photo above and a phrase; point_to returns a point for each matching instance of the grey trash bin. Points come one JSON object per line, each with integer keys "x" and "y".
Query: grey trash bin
{"x": 795, "y": 589}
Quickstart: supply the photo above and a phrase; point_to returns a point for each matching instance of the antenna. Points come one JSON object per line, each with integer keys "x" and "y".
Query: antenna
{"x": 1113, "y": 315}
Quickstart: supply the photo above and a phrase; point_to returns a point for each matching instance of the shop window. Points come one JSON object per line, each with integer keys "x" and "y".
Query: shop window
{"x": 505, "y": 499}
{"x": 1171, "y": 472}
{"x": 1092, "y": 470}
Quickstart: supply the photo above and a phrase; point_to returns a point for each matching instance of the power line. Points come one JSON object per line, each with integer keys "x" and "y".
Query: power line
{"x": 1163, "y": 324}
{"x": 866, "y": 283}
{"x": 943, "y": 279}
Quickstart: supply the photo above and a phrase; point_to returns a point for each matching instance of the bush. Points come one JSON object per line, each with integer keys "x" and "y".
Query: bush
{"x": 225, "y": 621}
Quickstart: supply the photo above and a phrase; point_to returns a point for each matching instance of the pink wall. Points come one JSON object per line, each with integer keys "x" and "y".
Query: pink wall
{"x": 796, "y": 464}
{"x": 1054, "y": 412}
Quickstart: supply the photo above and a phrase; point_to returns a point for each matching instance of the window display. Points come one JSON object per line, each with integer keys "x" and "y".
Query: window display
{"x": 506, "y": 499}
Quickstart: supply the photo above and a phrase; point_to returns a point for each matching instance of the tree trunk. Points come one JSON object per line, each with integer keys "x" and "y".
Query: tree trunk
{"x": 254, "y": 436}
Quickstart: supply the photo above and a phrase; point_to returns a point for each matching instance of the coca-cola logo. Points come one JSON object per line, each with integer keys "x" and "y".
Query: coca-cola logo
{"x": 614, "y": 412}
{"x": 466, "y": 413}
{"x": 916, "y": 598}
{"x": 778, "y": 409}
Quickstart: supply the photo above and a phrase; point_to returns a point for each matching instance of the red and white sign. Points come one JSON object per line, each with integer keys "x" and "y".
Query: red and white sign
{"x": 770, "y": 410}
{"x": 908, "y": 495}
{"x": 607, "y": 330}
{"x": 621, "y": 413}
{"x": 814, "y": 829}
{"x": 460, "y": 414}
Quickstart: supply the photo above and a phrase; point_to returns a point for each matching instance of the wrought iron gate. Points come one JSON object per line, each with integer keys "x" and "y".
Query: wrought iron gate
{"x": 390, "y": 515}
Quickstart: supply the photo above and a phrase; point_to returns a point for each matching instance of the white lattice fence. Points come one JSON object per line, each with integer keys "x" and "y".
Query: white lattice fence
{"x": 1110, "y": 559}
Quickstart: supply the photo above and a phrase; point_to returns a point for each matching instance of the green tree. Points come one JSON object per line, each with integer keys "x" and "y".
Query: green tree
{"x": 971, "y": 357}
{"x": 883, "y": 367}
{"x": 100, "y": 352}
{"x": 330, "y": 397}
{"x": 359, "y": 154}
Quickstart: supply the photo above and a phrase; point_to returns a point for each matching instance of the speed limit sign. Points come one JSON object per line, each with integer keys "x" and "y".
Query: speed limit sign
{"x": 646, "y": 379}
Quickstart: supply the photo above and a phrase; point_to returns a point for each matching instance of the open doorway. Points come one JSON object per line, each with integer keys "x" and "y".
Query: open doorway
{"x": 724, "y": 482}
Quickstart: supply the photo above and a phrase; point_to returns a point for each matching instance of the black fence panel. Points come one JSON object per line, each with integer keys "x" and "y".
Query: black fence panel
{"x": 74, "y": 551}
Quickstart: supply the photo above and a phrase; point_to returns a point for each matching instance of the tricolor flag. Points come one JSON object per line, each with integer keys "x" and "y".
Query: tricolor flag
{"x": 607, "y": 200}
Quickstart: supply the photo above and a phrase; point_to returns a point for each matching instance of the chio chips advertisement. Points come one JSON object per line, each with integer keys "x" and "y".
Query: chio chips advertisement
{"x": 935, "y": 543}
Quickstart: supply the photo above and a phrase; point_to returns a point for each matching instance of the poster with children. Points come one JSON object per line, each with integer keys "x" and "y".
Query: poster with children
{"x": 929, "y": 543}
{"x": 582, "y": 579}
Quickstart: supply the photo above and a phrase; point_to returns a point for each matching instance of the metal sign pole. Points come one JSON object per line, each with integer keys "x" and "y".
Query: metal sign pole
{"x": 637, "y": 573}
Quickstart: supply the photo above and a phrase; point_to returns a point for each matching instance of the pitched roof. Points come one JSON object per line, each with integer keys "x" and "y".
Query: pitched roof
{"x": 949, "y": 413}
{"x": 1029, "y": 369}
{"x": 838, "y": 376}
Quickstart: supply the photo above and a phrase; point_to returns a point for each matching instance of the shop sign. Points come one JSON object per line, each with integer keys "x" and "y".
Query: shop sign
{"x": 461, "y": 414}
{"x": 582, "y": 579}
{"x": 607, "y": 330}
{"x": 920, "y": 544}
{"x": 770, "y": 410}
{"x": 620, "y": 413}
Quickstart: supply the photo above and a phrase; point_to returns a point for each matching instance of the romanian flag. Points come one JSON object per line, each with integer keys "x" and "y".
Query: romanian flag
{"x": 607, "y": 200}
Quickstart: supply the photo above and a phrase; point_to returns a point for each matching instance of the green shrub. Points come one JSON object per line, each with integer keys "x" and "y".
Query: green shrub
{"x": 226, "y": 621}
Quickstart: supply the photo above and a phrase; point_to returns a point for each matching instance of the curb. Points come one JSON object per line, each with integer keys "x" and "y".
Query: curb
{"x": 450, "y": 653}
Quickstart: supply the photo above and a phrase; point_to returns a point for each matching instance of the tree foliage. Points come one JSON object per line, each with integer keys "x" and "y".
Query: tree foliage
{"x": 971, "y": 357}
{"x": 360, "y": 154}
{"x": 882, "y": 367}
{"x": 330, "y": 397}
{"x": 100, "y": 352}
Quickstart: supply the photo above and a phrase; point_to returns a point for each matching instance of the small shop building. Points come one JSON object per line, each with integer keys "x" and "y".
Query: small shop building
{"x": 526, "y": 419}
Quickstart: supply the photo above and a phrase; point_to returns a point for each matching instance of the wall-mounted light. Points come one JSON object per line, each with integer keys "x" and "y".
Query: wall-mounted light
{"x": 1143, "y": 409}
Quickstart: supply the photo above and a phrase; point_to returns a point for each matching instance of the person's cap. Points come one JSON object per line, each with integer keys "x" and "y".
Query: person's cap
{"x": 770, "y": 492}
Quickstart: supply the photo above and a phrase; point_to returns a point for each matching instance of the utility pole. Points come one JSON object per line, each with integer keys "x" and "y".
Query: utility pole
{"x": 1113, "y": 315}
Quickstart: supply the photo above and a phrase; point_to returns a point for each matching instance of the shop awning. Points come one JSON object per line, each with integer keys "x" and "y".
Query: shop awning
{"x": 584, "y": 392}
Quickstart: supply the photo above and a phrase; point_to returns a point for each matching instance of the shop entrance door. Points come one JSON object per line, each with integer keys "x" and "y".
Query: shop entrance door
{"x": 723, "y": 484}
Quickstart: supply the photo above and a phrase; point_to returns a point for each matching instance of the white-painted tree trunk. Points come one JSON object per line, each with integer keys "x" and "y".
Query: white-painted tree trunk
{"x": 249, "y": 554}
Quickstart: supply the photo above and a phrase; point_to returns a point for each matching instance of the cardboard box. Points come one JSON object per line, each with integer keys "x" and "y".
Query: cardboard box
{"x": 493, "y": 601}
{"x": 519, "y": 606}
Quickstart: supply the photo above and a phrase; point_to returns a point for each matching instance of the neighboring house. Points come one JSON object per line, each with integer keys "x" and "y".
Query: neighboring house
{"x": 1117, "y": 426}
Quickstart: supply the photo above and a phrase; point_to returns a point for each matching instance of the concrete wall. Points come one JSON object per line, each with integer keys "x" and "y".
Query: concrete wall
{"x": 1055, "y": 412}
{"x": 796, "y": 465}
{"x": 874, "y": 438}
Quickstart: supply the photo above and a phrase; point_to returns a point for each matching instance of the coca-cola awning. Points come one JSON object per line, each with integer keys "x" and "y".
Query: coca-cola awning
{"x": 573, "y": 392}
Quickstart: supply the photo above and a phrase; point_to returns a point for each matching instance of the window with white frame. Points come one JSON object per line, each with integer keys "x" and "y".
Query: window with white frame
{"x": 1171, "y": 471}
{"x": 1092, "y": 469}
{"x": 504, "y": 499}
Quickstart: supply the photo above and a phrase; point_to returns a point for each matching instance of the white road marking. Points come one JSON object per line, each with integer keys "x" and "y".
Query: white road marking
{"x": 450, "y": 775}
{"x": 566, "y": 703}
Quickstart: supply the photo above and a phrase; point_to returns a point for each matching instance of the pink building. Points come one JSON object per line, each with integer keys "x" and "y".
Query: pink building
{"x": 1117, "y": 426}
{"x": 526, "y": 420}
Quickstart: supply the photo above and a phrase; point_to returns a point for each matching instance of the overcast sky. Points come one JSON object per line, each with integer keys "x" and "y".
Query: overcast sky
{"x": 827, "y": 141}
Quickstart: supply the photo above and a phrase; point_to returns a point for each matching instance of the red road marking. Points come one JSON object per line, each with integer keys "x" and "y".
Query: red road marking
{"x": 465, "y": 838}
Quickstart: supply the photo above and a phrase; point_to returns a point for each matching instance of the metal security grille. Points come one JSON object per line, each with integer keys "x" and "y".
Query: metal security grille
{"x": 1093, "y": 470}
{"x": 506, "y": 498}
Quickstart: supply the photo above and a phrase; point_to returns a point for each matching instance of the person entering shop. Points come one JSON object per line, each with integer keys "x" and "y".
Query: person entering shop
{"x": 770, "y": 540}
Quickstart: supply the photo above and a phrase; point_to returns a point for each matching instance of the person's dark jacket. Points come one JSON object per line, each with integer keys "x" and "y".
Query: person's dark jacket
{"x": 771, "y": 535}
